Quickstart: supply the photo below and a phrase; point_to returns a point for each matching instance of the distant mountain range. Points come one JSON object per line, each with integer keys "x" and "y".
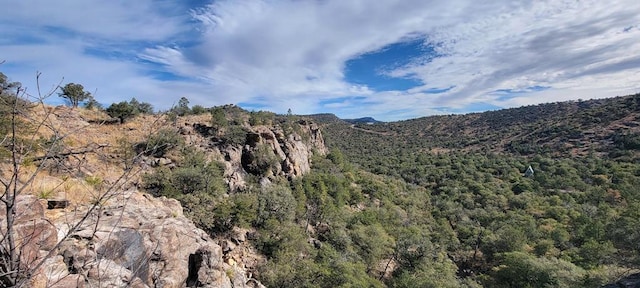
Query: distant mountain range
{"x": 608, "y": 127}
{"x": 331, "y": 118}
{"x": 363, "y": 120}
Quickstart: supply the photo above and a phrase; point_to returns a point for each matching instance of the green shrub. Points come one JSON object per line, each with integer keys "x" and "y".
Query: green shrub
{"x": 235, "y": 135}
{"x": 161, "y": 142}
{"x": 122, "y": 110}
{"x": 276, "y": 202}
{"x": 198, "y": 109}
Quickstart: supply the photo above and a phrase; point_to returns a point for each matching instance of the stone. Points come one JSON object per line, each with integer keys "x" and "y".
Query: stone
{"x": 57, "y": 204}
{"x": 239, "y": 235}
{"x": 162, "y": 249}
{"x": 31, "y": 229}
{"x": 69, "y": 281}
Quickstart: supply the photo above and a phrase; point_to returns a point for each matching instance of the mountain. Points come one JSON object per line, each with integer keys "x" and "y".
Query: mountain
{"x": 363, "y": 120}
{"x": 609, "y": 127}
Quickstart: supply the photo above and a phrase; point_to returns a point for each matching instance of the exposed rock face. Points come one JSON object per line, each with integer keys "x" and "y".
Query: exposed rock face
{"x": 292, "y": 155}
{"x": 135, "y": 240}
{"x": 32, "y": 232}
{"x": 267, "y": 151}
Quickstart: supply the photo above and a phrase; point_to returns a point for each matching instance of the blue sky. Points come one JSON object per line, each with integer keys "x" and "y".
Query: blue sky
{"x": 389, "y": 59}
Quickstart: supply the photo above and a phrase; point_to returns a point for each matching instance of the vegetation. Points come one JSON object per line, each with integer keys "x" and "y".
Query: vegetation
{"x": 74, "y": 94}
{"x": 126, "y": 110}
{"x": 433, "y": 202}
{"x": 159, "y": 143}
{"x": 31, "y": 144}
{"x": 389, "y": 208}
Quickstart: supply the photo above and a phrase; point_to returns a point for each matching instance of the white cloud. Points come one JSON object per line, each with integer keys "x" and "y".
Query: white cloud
{"x": 292, "y": 54}
{"x": 116, "y": 20}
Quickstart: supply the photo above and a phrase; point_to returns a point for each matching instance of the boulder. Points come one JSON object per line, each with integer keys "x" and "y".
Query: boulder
{"x": 136, "y": 240}
{"x": 32, "y": 232}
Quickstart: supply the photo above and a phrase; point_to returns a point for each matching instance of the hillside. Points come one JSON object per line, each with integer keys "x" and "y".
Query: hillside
{"x": 281, "y": 201}
{"x": 609, "y": 127}
{"x": 86, "y": 180}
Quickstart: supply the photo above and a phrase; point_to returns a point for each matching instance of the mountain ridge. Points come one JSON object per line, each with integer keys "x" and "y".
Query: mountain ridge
{"x": 604, "y": 126}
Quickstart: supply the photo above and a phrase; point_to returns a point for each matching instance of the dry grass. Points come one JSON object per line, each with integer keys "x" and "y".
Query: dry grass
{"x": 105, "y": 163}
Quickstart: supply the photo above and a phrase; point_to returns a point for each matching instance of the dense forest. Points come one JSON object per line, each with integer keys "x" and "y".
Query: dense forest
{"x": 572, "y": 223}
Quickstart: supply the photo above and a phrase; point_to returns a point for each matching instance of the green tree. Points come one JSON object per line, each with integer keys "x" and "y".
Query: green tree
{"x": 6, "y": 85}
{"x": 74, "y": 94}
{"x": 141, "y": 107}
{"x": 92, "y": 103}
{"x": 122, "y": 111}
{"x": 11, "y": 104}
{"x": 183, "y": 107}
{"x": 276, "y": 202}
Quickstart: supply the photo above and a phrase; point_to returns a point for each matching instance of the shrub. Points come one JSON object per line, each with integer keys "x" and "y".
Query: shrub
{"x": 198, "y": 109}
{"x": 276, "y": 202}
{"x": 122, "y": 111}
{"x": 161, "y": 142}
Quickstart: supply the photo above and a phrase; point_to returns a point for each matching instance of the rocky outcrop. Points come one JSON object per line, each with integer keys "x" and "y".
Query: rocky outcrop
{"x": 32, "y": 232}
{"x": 286, "y": 155}
{"x": 135, "y": 240}
{"x": 268, "y": 151}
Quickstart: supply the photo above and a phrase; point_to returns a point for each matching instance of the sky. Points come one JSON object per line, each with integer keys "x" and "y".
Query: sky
{"x": 387, "y": 59}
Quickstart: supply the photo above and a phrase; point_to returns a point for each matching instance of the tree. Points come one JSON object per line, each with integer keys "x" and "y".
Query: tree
{"x": 122, "y": 111}
{"x": 5, "y": 85}
{"x": 9, "y": 104}
{"x": 92, "y": 103}
{"x": 141, "y": 107}
{"x": 218, "y": 117}
{"x": 183, "y": 107}
{"x": 74, "y": 93}
{"x": 126, "y": 110}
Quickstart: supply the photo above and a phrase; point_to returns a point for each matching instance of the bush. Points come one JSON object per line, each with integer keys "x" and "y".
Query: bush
{"x": 126, "y": 110}
{"x": 159, "y": 143}
{"x": 276, "y": 202}
{"x": 198, "y": 109}
{"x": 218, "y": 117}
{"x": 122, "y": 111}
{"x": 261, "y": 118}
{"x": 518, "y": 269}
{"x": 235, "y": 135}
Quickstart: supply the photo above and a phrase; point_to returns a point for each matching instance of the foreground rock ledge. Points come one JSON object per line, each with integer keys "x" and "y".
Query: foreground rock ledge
{"x": 135, "y": 240}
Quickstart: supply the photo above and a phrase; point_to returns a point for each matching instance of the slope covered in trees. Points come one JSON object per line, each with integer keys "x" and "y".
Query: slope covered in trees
{"x": 605, "y": 127}
{"x": 575, "y": 216}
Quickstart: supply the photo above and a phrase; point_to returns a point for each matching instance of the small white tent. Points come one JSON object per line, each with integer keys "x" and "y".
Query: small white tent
{"x": 528, "y": 172}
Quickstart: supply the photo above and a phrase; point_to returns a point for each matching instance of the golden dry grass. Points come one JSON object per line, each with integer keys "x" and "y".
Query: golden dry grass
{"x": 80, "y": 130}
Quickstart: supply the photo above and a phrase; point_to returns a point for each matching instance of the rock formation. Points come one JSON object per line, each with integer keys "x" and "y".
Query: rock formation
{"x": 133, "y": 240}
{"x": 268, "y": 151}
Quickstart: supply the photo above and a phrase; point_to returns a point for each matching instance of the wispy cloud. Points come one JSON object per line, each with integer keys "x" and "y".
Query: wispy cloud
{"x": 285, "y": 54}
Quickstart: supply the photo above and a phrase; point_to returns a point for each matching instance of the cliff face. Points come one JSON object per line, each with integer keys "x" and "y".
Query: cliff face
{"x": 268, "y": 151}
{"x": 134, "y": 240}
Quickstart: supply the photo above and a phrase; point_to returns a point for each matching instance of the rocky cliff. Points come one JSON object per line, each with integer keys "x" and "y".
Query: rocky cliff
{"x": 133, "y": 240}
{"x": 266, "y": 151}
